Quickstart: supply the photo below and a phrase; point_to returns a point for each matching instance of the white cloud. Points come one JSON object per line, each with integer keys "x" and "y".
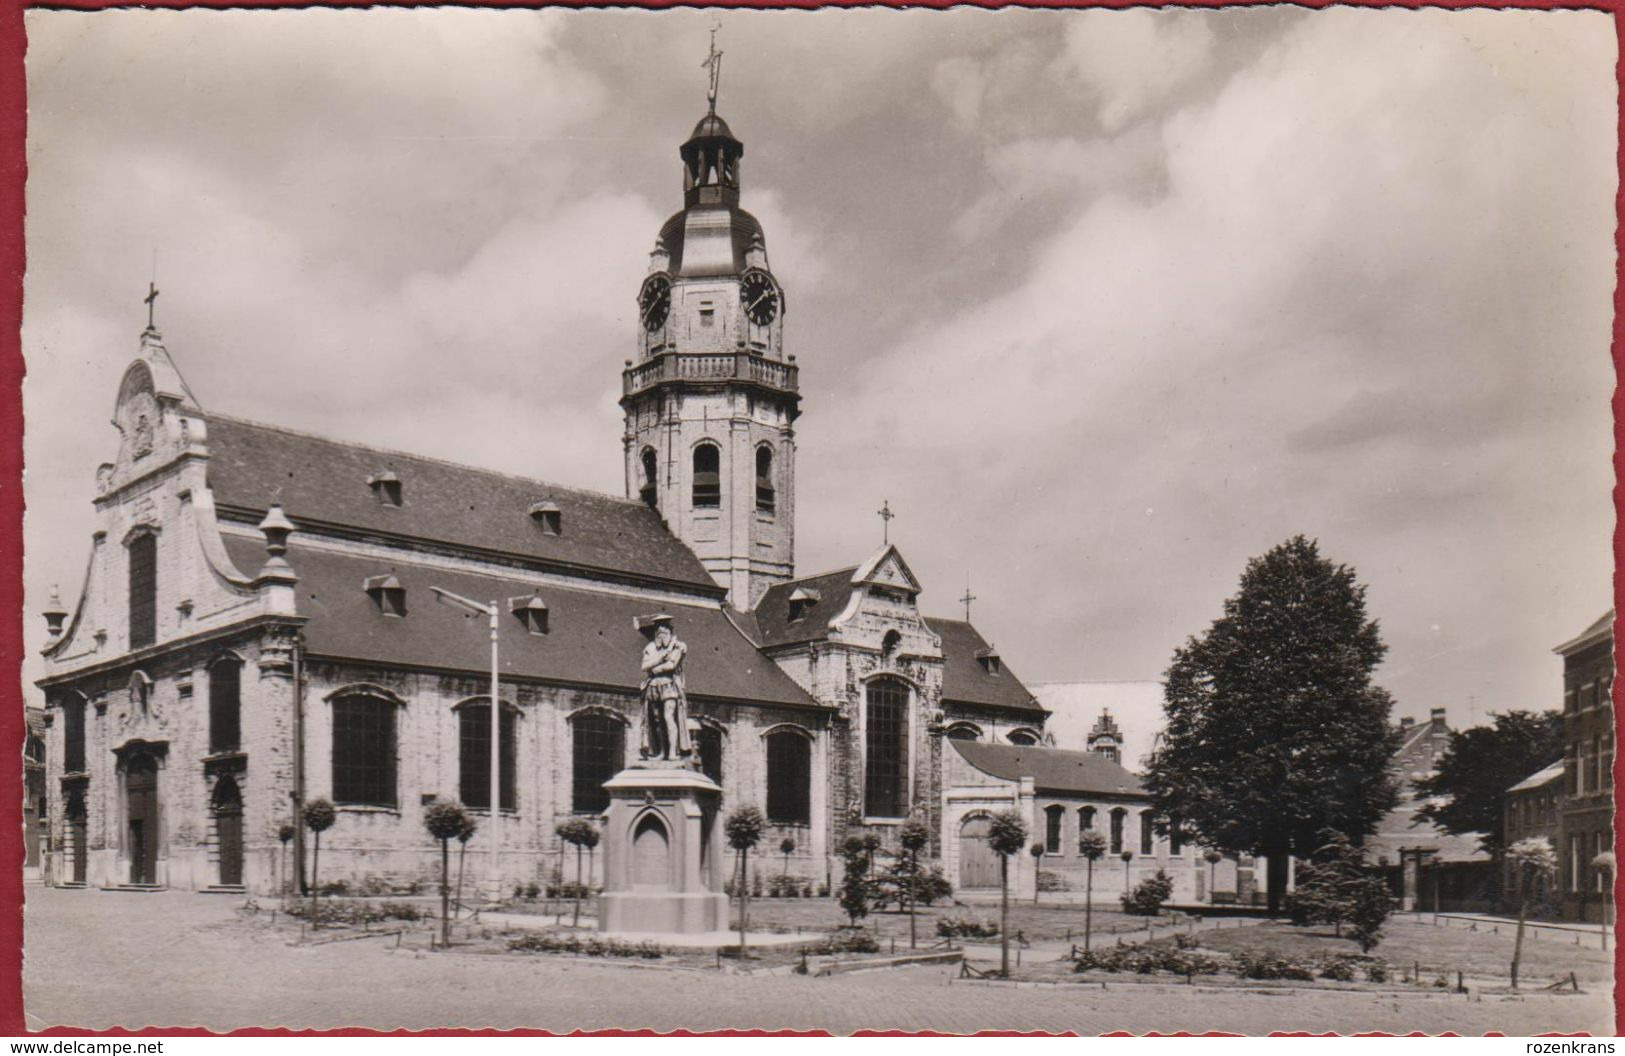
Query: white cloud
{"x": 1133, "y": 59}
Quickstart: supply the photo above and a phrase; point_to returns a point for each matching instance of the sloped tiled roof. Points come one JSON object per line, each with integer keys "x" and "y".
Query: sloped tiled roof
{"x": 1540, "y": 778}
{"x": 966, "y": 681}
{"x": 1399, "y": 830}
{"x": 1052, "y": 769}
{"x": 324, "y": 482}
{"x": 1599, "y": 630}
{"x": 591, "y": 639}
{"x": 772, "y": 613}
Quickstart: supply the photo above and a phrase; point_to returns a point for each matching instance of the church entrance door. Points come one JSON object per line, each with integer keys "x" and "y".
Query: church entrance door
{"x": 978, "y": 865}
{"x": 141, "y": 818}
{"x": 78, "y": 852}
{"x": 228, "y": 827}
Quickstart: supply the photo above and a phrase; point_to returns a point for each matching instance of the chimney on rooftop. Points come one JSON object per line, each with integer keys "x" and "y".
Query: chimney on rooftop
{"x": 1438, "y": 716}
{"x": 1406, "y": 723}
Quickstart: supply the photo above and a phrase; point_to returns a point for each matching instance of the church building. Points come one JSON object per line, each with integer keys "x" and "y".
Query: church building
{"x": 260, "y": 623}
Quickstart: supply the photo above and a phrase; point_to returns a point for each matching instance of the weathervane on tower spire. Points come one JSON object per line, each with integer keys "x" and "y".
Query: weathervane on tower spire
{"x": 714, "y": 62}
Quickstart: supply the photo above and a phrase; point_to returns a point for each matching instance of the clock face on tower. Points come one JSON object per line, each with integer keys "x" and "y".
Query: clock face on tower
{"x": 654, "y": 302}
{"x": 760, "y": 297}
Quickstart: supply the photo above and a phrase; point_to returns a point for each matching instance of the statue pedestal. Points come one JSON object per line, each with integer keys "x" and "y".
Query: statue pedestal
{"x": 663, "y": 865}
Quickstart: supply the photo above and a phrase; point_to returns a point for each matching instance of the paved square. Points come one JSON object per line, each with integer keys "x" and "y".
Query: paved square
{"x": 184, "y": 959}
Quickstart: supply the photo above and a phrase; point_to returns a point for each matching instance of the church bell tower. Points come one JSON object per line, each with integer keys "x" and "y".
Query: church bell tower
{"x": 711, "y": 398}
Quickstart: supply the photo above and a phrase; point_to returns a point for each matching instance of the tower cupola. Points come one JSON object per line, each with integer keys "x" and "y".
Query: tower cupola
{"x": 711, "y": 163}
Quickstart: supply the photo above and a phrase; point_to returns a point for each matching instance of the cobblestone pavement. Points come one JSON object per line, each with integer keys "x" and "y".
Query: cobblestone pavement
{"x": 96, "y": 959}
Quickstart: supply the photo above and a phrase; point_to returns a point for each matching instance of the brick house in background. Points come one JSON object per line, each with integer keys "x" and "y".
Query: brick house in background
{"x": 1588, "y": 769}
{"x": 1424, "y": 863}
{"x": 1533, "y": 809}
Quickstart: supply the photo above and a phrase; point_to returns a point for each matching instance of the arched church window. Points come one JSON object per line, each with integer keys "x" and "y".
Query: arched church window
{"x": 647, "y": 489}
{"x": 1054, "y": 818}
{"x": 1176, "y": 839}
{"x": 766, "y": 497}
{"x": 1119, "y": 816}
{"x": 474, "y": 756}
{"x": 963, "y": 731}
{"x": 364, "y": 751}
{"x": 1025, "y": 738}
{"x": 789, "y": 778}
{"x": 143, "y": 555}
{"x": 708, "y": 742}
{"x": 73, "y": 734}
{"x": 225, "y": 705}
{"x": 707, "y": 476}
{"x": 886, "y": 744}
{"x": 1086, "y": 823}
{"x": 597, "y": 752}
{"x": 1148, "y": 834}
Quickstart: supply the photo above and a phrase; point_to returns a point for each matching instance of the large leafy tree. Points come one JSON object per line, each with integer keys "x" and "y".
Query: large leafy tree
{"x": 1275, "y": 731}
{"x": 1467, "y": 791}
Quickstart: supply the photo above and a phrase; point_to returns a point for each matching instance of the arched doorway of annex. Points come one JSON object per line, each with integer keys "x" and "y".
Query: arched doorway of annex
{"x": 978, "y": 865}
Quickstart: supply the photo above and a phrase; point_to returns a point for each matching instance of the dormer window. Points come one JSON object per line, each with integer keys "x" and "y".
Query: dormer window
{"x": 889, "y": 642}
{"x": 989, "y": 661}
{"x": 532, "y": 612}
{"x": 548, "y": 517}
{"x": 801, "y": 600}
{"x": 386, "y": 488}
{"x": 387, "y": 593}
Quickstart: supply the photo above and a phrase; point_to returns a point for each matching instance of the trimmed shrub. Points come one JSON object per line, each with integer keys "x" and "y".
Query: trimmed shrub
{"x": 1267, "y": 964}
{"x": 1377, "y": 971}
{"x": 1148, "y": 895}
{"x": 967, "y": 927}
{"x": 584, "y": 946}
{"x": 847, "y": 940}
{"x": 356, "y": 912}
{"x": 1148, "y": 958}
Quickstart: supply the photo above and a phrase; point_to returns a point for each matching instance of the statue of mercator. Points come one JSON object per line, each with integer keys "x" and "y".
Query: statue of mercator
{"x": 665, "y": 705}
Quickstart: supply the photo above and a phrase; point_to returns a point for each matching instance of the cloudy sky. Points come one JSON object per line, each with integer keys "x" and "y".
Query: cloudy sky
{"x": 1103, "y": 303}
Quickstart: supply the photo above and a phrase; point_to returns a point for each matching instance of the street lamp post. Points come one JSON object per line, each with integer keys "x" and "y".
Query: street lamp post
{"x": 475, "y": 608}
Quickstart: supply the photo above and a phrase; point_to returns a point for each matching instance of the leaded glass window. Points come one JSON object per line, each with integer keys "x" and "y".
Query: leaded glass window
{"x": 364, "y": 751}
{"x": 474, "y": 757}
{"x": 886, "y": 741}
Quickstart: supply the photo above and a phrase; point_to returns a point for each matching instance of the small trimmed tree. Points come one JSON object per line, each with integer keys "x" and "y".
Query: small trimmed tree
{"x": 787, "y": 847}
{"x": 854, "y": 896}
{"x": 580, "y": 834}
{"x": 319, "y": 815}
{"x": 1212, "y": 858}
{"x": 464, "y": 834}
{"x": 286, "y": 834}
{"x": 913, "y": 837}
{"x": 1534, "y": 860}
{"x": 445, "y": 822}
{"x": 744, "y": 830}
{"x": 1006, "y": 835}
{"x": 1037, "y": 851}
{"x": 1092, "y": 845}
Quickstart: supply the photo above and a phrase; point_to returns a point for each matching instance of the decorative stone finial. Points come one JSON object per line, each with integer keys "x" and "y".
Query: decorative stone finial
{"x": 276, "y": 528}
{"x": 277, "y": 578}
{"x": 55, "y": 615}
